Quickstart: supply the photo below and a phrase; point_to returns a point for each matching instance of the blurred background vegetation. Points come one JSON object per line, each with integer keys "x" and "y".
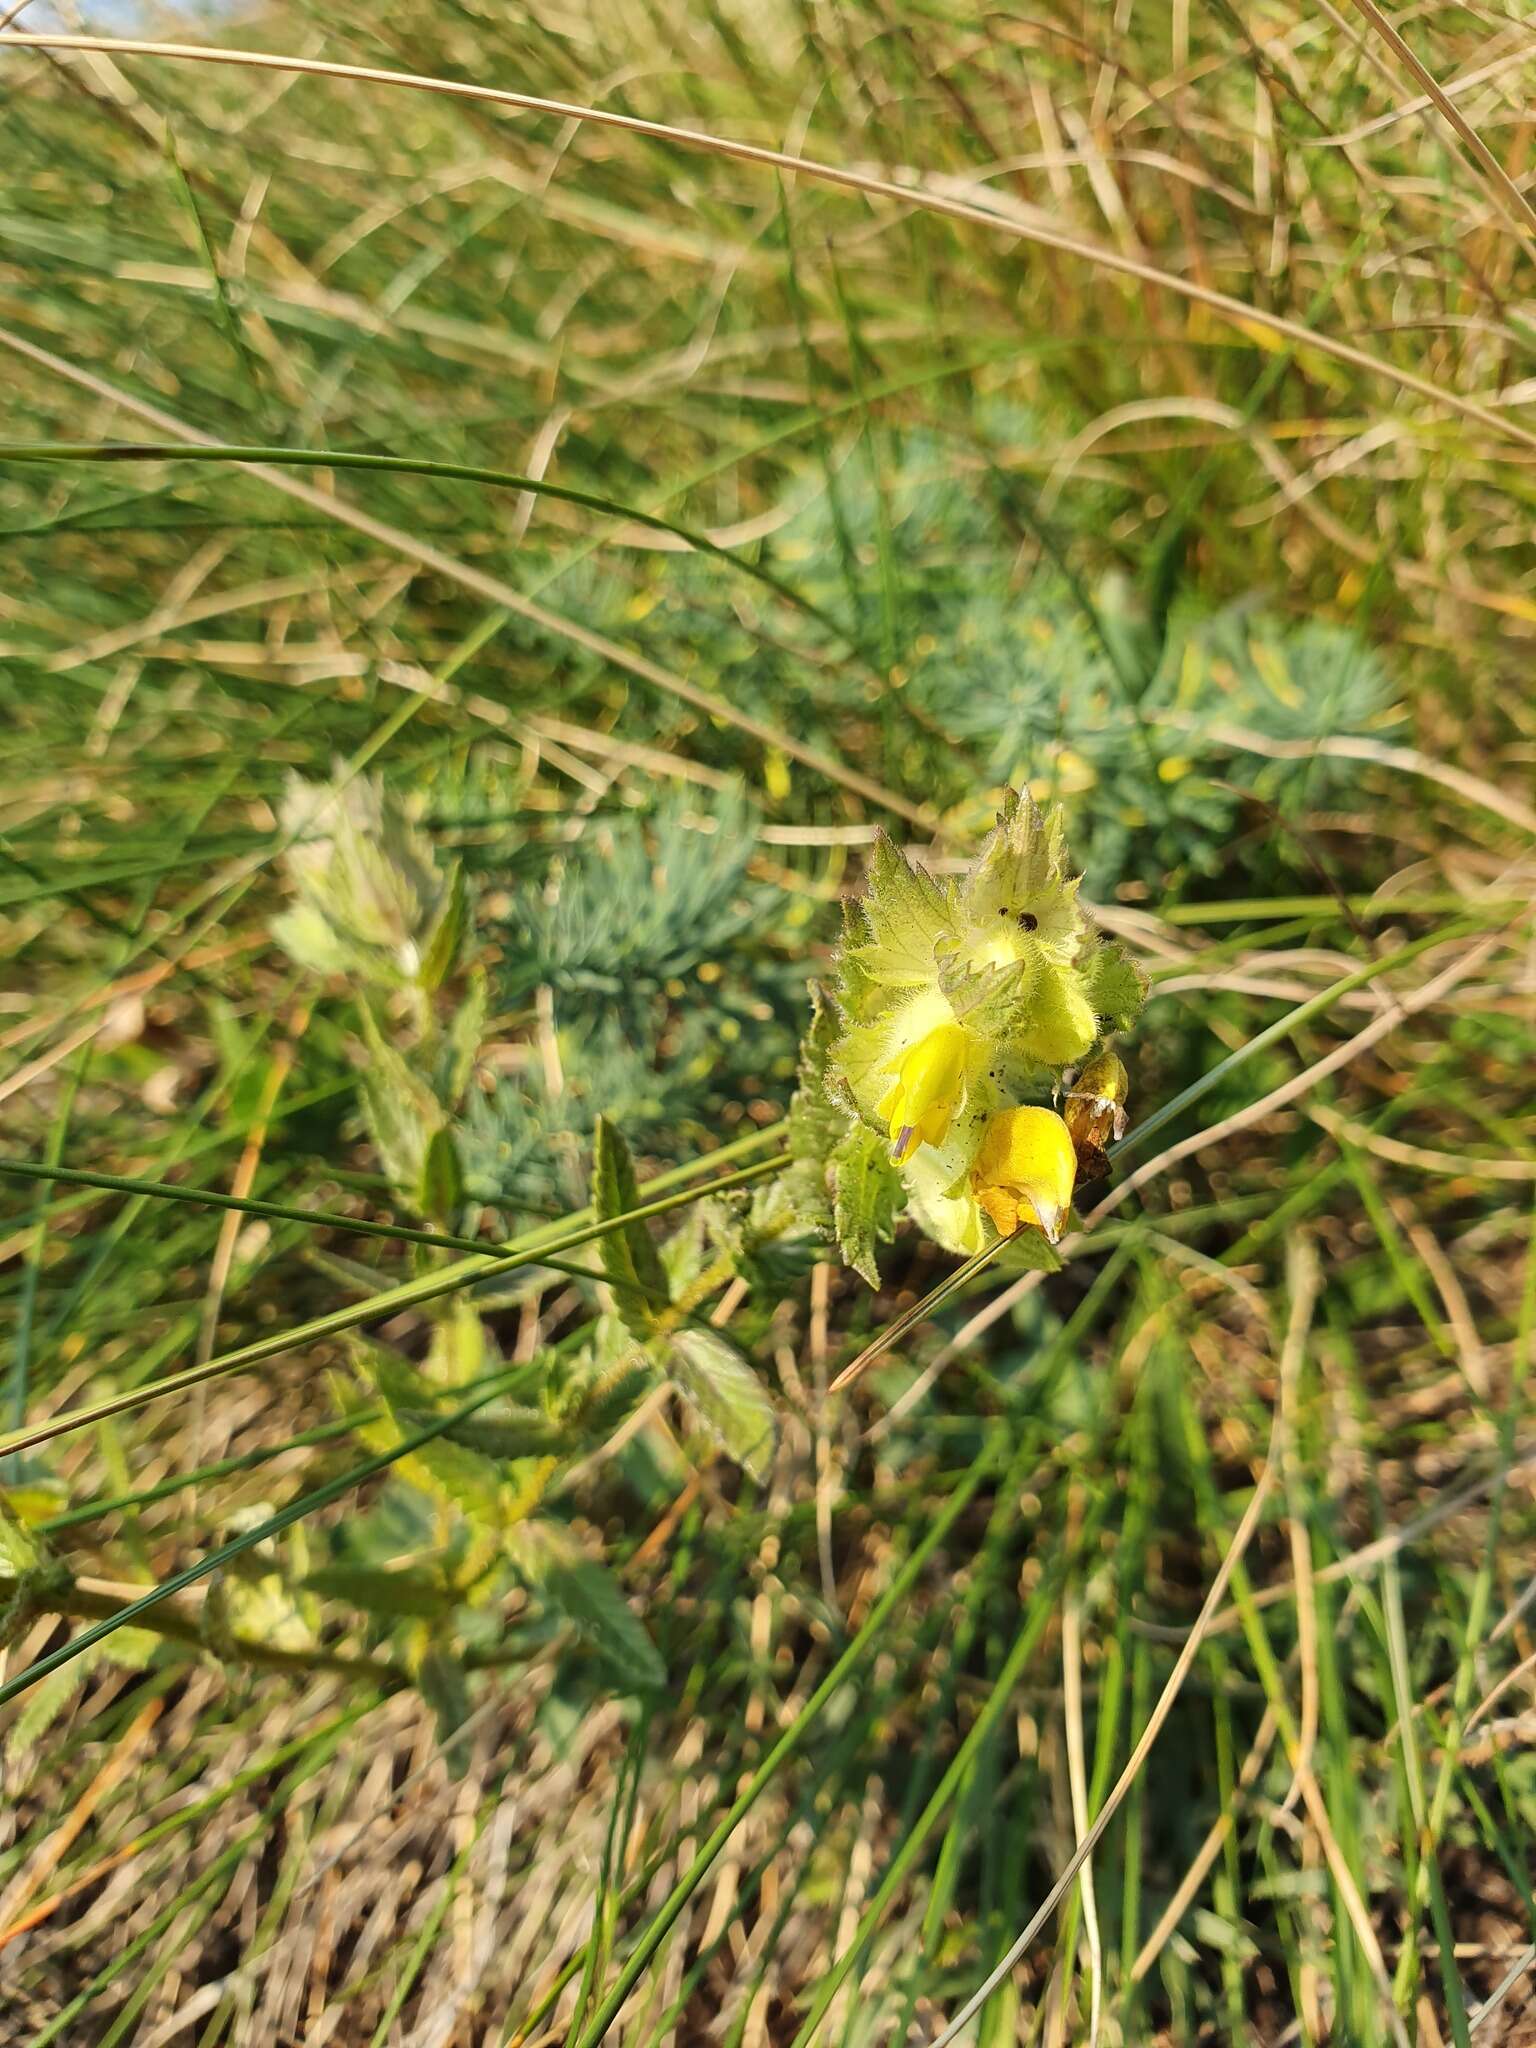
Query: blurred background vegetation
{"x": 858, "y": 511}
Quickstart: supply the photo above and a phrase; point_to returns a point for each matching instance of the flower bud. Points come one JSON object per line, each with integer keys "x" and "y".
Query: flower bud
{"x": 1096, "y": 1102}
{"x": 1095, "y": 1112}
{"x": 1061, "y": 1025}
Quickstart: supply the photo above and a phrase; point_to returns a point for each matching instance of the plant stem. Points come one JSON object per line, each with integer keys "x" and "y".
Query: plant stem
{"x": 412, "y": 1294}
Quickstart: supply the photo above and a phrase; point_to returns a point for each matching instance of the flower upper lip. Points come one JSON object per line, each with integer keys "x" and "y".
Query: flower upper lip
{"x": 922, "y": 1101}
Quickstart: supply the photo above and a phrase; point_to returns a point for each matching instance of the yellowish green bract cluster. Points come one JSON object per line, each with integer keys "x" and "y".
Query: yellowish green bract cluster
{"x": 959, "y": 1009}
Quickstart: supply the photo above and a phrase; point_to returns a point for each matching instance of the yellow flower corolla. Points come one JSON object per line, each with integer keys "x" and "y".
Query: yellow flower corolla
{"x": 920, "y": 1104}
{"x": 1025, "y": 1171}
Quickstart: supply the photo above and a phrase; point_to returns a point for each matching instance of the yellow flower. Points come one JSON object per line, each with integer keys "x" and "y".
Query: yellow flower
{"x": 1025, "y": 1170}
{"x": 920, "y": 1104}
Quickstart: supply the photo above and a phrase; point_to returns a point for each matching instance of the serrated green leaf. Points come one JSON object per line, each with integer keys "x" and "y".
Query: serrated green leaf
{"x": 308, "y": 940}
{"x": 856, "y": 989}
{"x": 48, "y": 1700}
{"x": 441, "y": 1681}
{"x": 598, "y": 1407}
{"x": 992, "y": 1001}
{"x": 519, "y": 1433}
{"x": 867, "y": 1193}
{"x": 445, "y": 942}
{"x": 392, "y": 1374}
{"x": 566, "y": 1705}
{"x": 1114, "y": 985}
{"x": 783, "y": 1237}
{"x": 906, "y": 915}
{"x": 727, "y": 1396}
{"x": 441, "y": 1193}
{"x": 684, "y": 1254}
{"x": 32, "y": 1490}
{"x": 469, "y": 1481}
{"x": 383, "y": 1592}
{"x": 818, "y": 1122}
{"x": 134, "y": 1648}
{"x": 261, "y": 1609}
{"x": 463, "y": 1037}
{"x": 629, "y": 1254}
{"x": 589, "y": 1597}
{"x": 363, "y": 870}
{"x": 1022, "y": 868}
{"x": 402, "y": 1113}
{"x": 462, "y": 1348}
{"x": 452, "y": 1472}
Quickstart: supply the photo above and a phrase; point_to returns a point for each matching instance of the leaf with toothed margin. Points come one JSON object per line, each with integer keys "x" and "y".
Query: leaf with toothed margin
{"x": 442, "y": 1683}
{"x": 442, "y": 949}
{"x": 588, "y": 1595}
{"x": 727, "y": 1396}
{"x": 629, "y": 1254}
{"x": 867, "y": 1193}
{"x": 906, "y": 914}
{"x": 394, "y": 1593}
{"x": 402, "y": 1112}
{"x": 1114, "y": 985}
{"x": 818, "y": 1123}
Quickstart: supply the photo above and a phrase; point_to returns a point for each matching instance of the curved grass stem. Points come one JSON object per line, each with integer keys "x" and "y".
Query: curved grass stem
{"x": 488, "y": 1265}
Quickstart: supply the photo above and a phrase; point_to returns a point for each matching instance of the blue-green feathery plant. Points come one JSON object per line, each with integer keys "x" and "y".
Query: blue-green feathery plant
{"x": 675, "y": 994}
{"x": 638, "y": 902}
{"x": 1011, "y": 673}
